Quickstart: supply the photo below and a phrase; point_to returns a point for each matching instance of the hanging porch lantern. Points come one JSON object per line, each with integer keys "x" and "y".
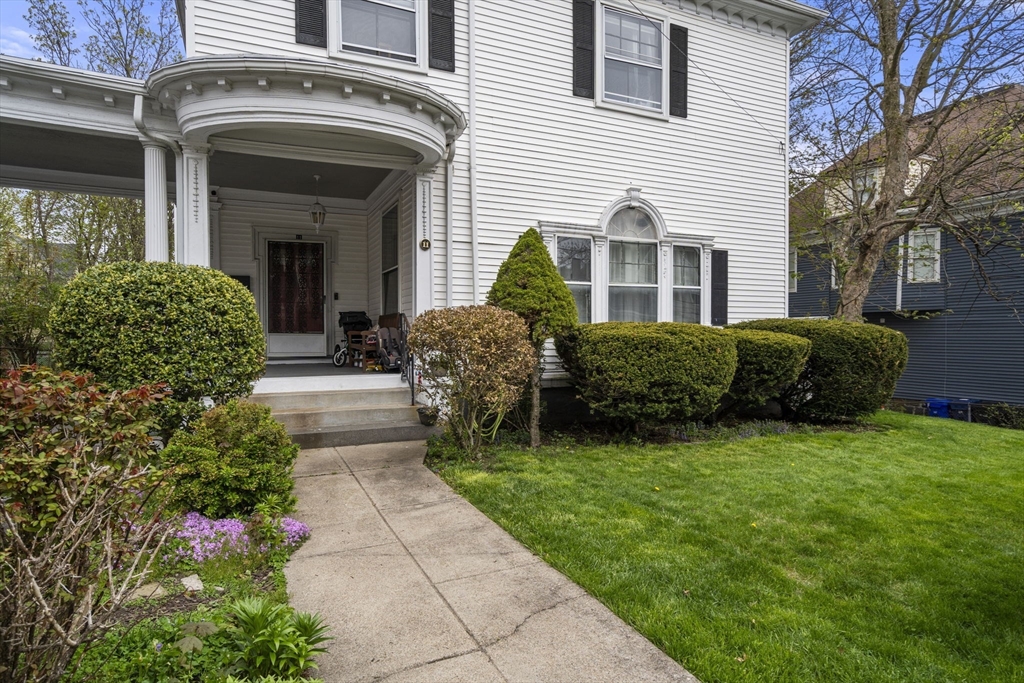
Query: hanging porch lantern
{"x": 317, "y": 213}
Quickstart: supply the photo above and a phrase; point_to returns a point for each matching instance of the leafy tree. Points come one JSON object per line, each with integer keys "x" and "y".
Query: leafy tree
{"x": 896, "y": 125}
{"x": 528, "y": 284}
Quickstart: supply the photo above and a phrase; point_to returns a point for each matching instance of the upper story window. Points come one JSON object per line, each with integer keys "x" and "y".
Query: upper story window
{"x": 406, "y": 34}
{"x": 638, "y": 62}
{"x": 575, "y": 255}
{"x": 384, "y": 28}
{"x": 923, "y": 255}
{"x": 632, "y": 60}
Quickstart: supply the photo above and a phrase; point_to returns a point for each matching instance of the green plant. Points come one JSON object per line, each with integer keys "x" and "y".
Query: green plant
{"x": 1000, "y": 415}
{"x": 528, "y": 284}
{"x": 237, "y": 457}
{"x": 765, "y": 363}
{"x": 649, "y": 373}
{"x": 274, "y": 640}
{"x": 475, "y": 361}
{"x": 196, "y": 329}
{"x": 851, "y": 371}
{"x": 79, "y": 521}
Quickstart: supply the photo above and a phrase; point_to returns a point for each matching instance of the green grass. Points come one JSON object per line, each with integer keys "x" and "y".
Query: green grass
{"x": 892, "y": 554}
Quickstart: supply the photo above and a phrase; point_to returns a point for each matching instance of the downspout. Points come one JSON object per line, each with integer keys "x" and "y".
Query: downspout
{"x": 140, "y": 124}
{"x": 449, "y": 222}
{"x": 472, "y": 154}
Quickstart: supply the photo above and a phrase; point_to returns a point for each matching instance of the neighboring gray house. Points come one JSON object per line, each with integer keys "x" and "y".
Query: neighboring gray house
{"x": 963, "y": 342}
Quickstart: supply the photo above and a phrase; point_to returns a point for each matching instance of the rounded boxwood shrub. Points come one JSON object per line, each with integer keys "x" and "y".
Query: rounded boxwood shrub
{"x": 140, "y": 323}
{"x": 649, "y": 373}
{"x": 851, "y": 371}
{"x": 237, "y": 456}
{"x": 766, "y": 362}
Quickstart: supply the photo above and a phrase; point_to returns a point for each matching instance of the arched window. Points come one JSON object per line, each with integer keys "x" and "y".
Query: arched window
{"x": 632, "y": 266}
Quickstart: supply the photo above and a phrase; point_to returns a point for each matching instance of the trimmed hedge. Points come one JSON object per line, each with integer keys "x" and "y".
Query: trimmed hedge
{"x": 141, "y": 323}
{"x": 767, "y": 362}
{"x": 237, "y": 456}
{"x": 649, "y": 373}
{"x": 851, "y": 371}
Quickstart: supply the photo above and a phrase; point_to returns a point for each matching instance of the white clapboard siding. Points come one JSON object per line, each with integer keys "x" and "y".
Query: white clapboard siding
{"x": 545, "y": 155}
{"x": 348, "y": 264}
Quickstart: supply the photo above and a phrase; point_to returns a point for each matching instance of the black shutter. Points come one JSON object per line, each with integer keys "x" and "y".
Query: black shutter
{"x": 442, "y": 35}
{"x": 719, "y": 287}
{"x": 583, "y": 48}
{"x": 678, "y": 75}
{"x": 311, "y": 22}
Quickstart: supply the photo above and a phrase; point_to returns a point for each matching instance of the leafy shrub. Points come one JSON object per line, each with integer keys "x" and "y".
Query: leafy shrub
{"x": 194, "y": 328}
{"x": 475, "y": 361}
{"x": 78, "y": 523}
{"x": 851, "y": 371}
{"x": 1000, "y": 415}
{"x": 275, "y": 640}
{"x": 237, "y": 456}
{"x": 766, "y": 362}
{"x": 528, "y": 284}
{"x": 649, "y": 373}
{"x": 26, "y": 295}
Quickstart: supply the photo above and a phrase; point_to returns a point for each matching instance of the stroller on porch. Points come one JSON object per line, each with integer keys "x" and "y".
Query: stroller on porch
{"x": 349, "y": 321}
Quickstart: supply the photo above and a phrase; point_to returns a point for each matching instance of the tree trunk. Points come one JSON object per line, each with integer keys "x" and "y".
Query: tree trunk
{"x": 857, "y": 281}
{"x": 535, "y": 401}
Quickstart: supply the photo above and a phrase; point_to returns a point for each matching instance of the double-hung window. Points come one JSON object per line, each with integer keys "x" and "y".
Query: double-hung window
{"x": 685, "y": 284}
{"x": 923, "y": 255}
{"x": 383, "y": 28}
{"x": 632, "y": 267}
{"x": 574, "y": 265}
{"x": 633, "y": 56}
{"x": 389, "y": 261}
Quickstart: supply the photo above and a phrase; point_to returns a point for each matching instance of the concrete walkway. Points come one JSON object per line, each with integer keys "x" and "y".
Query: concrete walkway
{"x": 418, "y": 585}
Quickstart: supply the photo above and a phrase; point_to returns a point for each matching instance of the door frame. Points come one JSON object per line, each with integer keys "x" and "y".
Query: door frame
{"x": 261, "y": 237}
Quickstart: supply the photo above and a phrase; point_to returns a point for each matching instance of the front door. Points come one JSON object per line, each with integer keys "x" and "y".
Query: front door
{"x": 295, "y": 299}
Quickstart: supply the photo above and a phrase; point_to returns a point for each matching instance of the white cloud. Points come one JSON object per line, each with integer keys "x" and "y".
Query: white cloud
{"x": 16, "y": 42}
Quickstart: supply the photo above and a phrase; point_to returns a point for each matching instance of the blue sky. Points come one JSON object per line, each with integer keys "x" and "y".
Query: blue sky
{"x": 15, "y": 39}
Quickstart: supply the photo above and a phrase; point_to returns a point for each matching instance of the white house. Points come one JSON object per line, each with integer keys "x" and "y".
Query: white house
{"x": 643, "y": 138}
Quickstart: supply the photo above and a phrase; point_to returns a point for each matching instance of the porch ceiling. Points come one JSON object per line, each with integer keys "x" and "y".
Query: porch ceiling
{"x": 292, "y": 176}
{"x": 68, "y": 152}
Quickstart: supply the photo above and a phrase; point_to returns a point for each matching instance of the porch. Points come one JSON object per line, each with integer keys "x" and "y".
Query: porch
{"x": 236, "y": 144}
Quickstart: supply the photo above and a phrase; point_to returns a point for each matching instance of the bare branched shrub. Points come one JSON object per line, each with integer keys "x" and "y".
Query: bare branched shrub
{"x": 80, "y": 502}
{"x": 476, "y": 361}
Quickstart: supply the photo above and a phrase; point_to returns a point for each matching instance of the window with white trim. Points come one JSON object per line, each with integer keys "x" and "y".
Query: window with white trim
{"x": 632, "y": 267}
{"x": 686, "y": 284}
{"x": 389, "y": 261}
{"x": 633, "y": 60}
{"x": 575, "y": 256}
{"x": 382, "y": 28}
{"x": 923, "y": 255}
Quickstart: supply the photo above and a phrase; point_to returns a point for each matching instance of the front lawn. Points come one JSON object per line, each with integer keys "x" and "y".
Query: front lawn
{"x": 890, "y": 554}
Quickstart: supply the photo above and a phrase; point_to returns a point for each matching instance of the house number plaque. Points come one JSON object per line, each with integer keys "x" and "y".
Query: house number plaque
{"x": 424, "y": 244}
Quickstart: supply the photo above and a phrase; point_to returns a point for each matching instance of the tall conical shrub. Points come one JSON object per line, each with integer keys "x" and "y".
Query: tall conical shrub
{"x": 528, "y": 284}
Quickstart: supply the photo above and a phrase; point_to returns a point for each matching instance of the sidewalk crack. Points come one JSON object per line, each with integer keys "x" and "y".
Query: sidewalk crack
{"x": 529, "y": 617}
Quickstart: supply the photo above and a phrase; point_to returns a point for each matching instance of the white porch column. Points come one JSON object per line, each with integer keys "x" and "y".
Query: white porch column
{"x": 195, "y": 209}
{"x": 423, "y": 247}
{"x": 156, "y": 202}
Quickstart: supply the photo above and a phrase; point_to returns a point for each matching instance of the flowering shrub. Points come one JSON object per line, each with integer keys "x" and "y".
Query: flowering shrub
{"x": 200, "y": 539}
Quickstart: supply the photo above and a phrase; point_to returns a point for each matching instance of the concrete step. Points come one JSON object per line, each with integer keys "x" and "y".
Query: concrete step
{"x": 346, "y": 398}
{"x": 299, "y": 419}
{"x": 360, "y": 435}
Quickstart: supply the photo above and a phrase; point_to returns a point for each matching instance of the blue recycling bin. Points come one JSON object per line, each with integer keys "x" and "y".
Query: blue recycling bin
{"x": 937, "y": 407}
